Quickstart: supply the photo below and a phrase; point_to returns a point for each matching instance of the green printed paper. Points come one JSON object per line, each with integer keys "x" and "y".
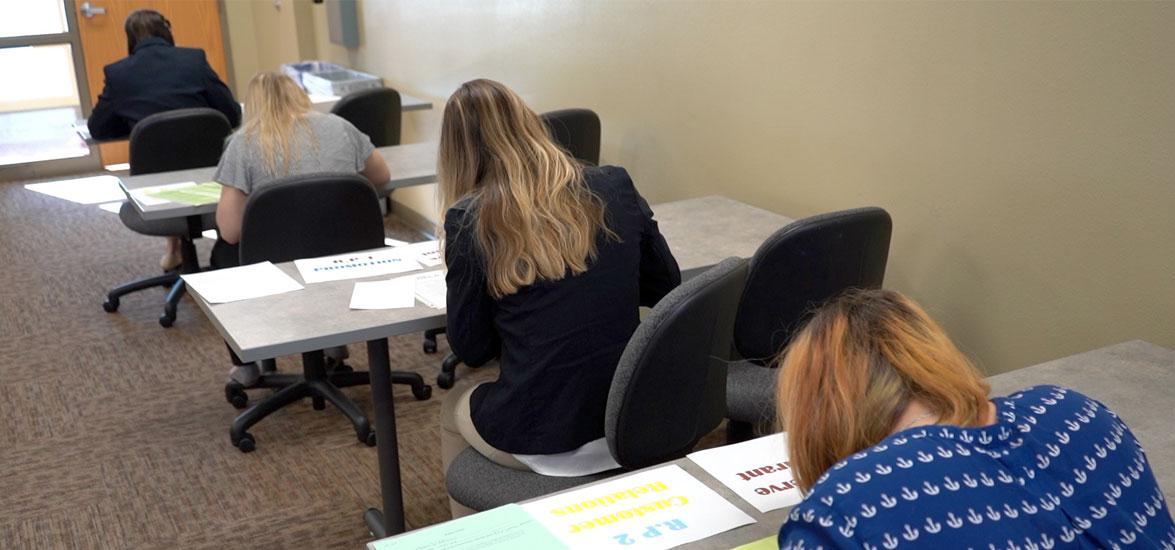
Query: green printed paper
{"x": 769, "y": 543}
{"x": 507, "y": 527}
{"x": 194, "y": 195}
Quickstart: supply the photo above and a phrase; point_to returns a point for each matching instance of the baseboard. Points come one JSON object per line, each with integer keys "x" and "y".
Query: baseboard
{"x": 414, "y": 219}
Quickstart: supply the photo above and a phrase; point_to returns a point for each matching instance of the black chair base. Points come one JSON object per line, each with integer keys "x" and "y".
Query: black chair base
{"x": 170, "y": 279}
{"x": 430, "y": 339}
{"x": 317, "y": 384}
{"x": 448, "y": 375}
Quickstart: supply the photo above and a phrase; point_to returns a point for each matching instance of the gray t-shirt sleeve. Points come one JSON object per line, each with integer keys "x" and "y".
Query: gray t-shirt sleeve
{"x": 362, "y": 145}
{"x": 233, "y": 168}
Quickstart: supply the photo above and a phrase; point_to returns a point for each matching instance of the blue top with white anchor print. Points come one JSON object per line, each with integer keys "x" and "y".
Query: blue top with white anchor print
{"x": 1057, "y": 470}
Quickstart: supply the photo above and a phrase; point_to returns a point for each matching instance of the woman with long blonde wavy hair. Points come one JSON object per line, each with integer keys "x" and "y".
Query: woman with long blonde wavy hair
{"x": 282, "y": 137}
{"x": 893, "y": 437}
{"x": 548, "y": 264}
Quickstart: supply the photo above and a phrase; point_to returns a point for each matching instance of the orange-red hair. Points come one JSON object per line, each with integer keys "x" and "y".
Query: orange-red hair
{"x": 848, "y": 375}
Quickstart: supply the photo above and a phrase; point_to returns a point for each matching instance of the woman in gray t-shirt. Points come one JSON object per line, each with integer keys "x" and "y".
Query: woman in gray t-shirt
{"x": 282, "y": 137}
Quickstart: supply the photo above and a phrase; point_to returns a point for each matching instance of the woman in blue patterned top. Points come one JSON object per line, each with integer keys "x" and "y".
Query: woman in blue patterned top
{"x": 897, "y": 445}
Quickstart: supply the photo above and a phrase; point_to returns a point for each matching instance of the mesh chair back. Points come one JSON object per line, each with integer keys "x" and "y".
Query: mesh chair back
{"x": 669, "y": 389}
{"x": 178, "y": 140}
{"x": 577, "y": 131}
{"x": 310, "y": 216}
{"x": 375, "y": 112}
{"x": 803, "y": 265}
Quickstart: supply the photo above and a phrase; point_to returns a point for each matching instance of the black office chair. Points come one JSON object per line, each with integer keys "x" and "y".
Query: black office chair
{"x": 667, "y": 393}
{"x": 577, "y": 131}
{"x": 375, "y": 112}
{"x": 284, "y": 221}
{"x": 794, "y": 271}
{"x": 163, "y": 142}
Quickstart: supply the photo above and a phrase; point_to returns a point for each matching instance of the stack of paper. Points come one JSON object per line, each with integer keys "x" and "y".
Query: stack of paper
{"x": 659, "y": 508}
{"x": 506, "y": 528}
{"x": 355, "y": 265}
{"x": 390, "y": 294}
{"x": 431, "y": 289}
{"x": 427, "y": 253}
{"x": 190, "y": 193}
{"x": 756, "y": 470}
{"x": 241, "y": 283}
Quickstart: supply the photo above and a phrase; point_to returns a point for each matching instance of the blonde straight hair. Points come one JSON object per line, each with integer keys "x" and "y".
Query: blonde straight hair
{"x": 275, "y": 113}
{"x": 534, "y": 218}
{"x": 848, "y": 375}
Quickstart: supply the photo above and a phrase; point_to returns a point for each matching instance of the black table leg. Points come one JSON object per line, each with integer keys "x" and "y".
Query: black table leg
{"x": 391, "y": 520}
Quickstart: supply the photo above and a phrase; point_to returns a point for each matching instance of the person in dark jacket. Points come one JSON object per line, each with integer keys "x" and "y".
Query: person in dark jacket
{"x": 157, "y": 76}
{"x": 548, "y": 265}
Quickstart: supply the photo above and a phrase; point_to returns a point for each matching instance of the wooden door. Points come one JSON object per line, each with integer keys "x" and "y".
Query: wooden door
{"x": 194, "y": 24}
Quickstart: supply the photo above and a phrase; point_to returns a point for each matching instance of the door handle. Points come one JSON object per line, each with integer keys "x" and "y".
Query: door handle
{"x": 89, "y": 10}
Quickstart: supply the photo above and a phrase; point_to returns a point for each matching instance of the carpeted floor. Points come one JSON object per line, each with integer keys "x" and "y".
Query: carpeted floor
{"x": 114, "y": 431}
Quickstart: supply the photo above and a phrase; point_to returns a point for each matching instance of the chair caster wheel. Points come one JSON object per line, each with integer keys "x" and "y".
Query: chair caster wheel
{"x": 430, "y": 346}
{"x": 235, "y": 394}
{"x": 422, "y": 393}
{"x": 166, "y": 321}
{"x": 247, "y": 444}
{"x": 370, "y": 441}
{"x": 445, "y": 380}
{"x": 110, "y": 305}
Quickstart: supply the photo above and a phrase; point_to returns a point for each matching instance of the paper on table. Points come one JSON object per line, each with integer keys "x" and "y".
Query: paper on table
{"x": 146, "y": 196}
{"x": 92, "y": 190}
{"x": 394, "y": 242}
{"x": 506, "y": 528}
{"x": 112, "y": 207}
{"x": 431, "y": 289}
{"x": 427, "y": 253}
{"x": 241, "y": 283}
{"x": 659, "y": 508}
{"x": 356, "y": 265}
{"x": 190, "y": 193}
{"x": 756, "y": 470}
{"x": 390, "y": 294}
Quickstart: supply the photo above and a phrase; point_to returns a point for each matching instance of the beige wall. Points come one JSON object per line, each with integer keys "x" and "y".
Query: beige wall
{"x": 264, "y": 34}
{"x": 1025, "y": 150}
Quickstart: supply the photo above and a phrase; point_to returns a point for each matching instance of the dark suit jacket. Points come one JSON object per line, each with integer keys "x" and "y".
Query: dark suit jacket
{"x": 559, "y": 341}
{"x": 158, "y": 77}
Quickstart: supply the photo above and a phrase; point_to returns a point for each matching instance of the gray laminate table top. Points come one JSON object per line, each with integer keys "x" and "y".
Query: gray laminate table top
{"x": 701, "y": 232}
{"x": 410, "y": 164}
{"x": 1134, "y": 379}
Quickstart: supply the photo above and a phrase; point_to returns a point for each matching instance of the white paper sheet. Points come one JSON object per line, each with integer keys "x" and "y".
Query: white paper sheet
{"x": 394, "y": 242}
{"x": 112, "y": 207}
{"x": 427, "y": 253}
{"x": 659, "y": 508}
{"x": 208, "y": 234}
{"x": 756, "y": 470}
{"x": 94, "y": 190}
{"x": 241, "y": 283}
{"x": 390, "y": 294}
{"x": 431, "y": 289}
{"x": 356, "y": 265}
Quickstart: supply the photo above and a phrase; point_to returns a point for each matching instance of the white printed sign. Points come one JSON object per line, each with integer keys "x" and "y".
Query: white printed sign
{"x": 659, "y": 508}
{"x": 355, "y": 265}
{"x": 756, "y": 470}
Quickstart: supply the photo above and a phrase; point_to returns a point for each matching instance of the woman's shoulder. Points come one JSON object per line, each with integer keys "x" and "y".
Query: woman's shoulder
{"x": 607, "y": 177}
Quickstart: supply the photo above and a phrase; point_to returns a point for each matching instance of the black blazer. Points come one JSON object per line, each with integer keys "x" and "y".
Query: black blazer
{"x": 158, "y": 77}
{"x": 558, "y": 342}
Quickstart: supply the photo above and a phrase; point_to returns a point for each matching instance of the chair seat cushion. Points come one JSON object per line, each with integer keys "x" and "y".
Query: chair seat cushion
{"x": 750, "y": 392}
{"x": 170, "y": 227}
{"x": 474, "y": 481}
